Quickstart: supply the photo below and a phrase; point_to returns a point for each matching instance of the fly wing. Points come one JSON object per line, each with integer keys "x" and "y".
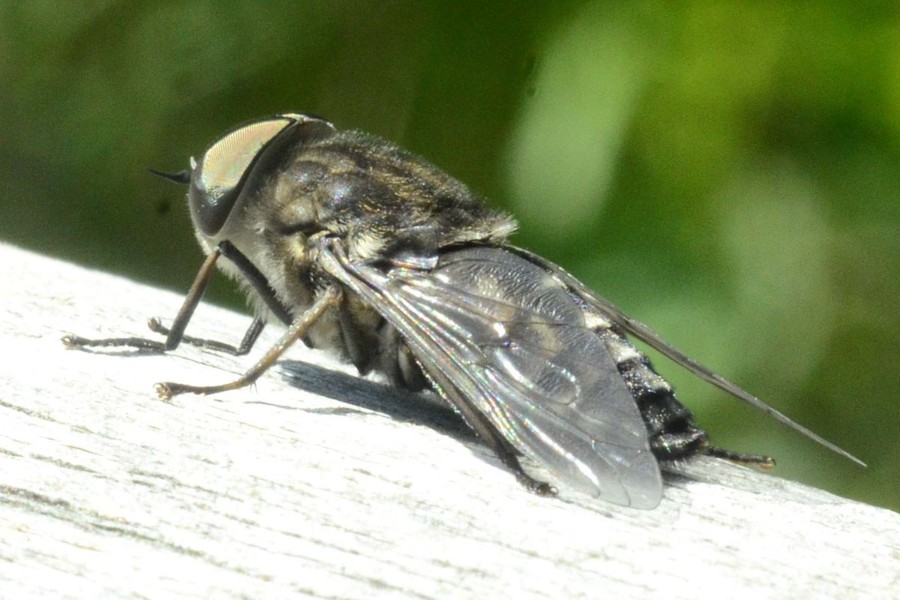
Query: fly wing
{"x": 513, "y": 342}
{"x": 648, "y": 335}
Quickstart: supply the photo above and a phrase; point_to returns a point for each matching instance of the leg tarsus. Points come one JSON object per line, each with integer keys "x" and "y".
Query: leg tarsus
{"x": 166, "y": 390}
{"x": 141, "y": 344}
{"x": 509, "y": 458}
{"x": 536, "y": 487}
{"x": 765, "y": 463}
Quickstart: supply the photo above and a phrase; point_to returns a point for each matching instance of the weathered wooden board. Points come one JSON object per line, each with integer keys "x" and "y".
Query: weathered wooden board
{"x": 316, "y": 482}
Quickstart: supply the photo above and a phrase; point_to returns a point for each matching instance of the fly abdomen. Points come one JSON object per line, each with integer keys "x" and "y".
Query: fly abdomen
{"x": 670, "y": 425}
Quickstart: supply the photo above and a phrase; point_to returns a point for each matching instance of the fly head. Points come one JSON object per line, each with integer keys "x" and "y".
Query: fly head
{"x": 234, "y": 169}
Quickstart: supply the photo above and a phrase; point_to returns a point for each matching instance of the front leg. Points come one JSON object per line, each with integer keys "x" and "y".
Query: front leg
{"x": 175, "y": 335}
{"x": 158, "y": 347}
{"x": 329, "y": 298}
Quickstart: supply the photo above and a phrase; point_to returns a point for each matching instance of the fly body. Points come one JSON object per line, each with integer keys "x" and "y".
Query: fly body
{"x": 366, "y": 250}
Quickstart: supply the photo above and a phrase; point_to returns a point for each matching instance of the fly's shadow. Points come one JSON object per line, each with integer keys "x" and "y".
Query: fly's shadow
{"x": 353, "y": 391}
{"x": 357, "y": 393}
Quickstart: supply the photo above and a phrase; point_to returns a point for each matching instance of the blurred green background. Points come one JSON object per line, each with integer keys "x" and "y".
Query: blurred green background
{"x": 727, "y": 172}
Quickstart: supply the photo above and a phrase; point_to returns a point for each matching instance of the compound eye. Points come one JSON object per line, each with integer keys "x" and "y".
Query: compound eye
{"x": 216, "y": 181}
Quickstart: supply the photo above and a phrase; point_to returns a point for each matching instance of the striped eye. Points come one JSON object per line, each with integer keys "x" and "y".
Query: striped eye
{"x": 218, "y": 177}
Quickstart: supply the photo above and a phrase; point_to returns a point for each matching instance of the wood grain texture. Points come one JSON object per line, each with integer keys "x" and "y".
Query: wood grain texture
{"x": 318, "y": 483}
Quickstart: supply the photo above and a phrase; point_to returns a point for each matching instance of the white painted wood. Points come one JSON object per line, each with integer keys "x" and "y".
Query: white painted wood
{"x": 273, "y": 491}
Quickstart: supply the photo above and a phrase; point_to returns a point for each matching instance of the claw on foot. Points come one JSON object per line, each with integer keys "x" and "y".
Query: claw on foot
{"x": 71, "y": 341}
{"x": 164, "y": 391}
{"x": 539, "y": 488}
{"x": 545, "y": 489}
